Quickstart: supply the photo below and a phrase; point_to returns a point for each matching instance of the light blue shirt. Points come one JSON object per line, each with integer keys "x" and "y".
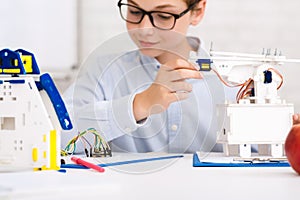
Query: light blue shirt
{"x": 102, "y": 98}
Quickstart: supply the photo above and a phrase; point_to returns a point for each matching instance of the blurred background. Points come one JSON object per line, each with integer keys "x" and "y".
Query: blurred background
{"x": 62, "y": 33}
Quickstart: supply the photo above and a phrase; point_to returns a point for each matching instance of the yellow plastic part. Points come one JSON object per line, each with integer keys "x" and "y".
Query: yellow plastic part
{"x": 12, "y": 71}
{"x": 52, "y": 155}
{"x": 53, "y": 150}
{"x": 16, "y": 63}
{"x": 27, "y": 63}
{"x": 35, "y": 154}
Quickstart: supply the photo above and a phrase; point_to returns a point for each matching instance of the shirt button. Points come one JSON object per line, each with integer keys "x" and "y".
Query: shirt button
{"x": 174, "y": 127}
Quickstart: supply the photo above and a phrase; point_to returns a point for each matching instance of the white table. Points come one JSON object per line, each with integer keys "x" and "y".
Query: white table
{"x": 166, "y": 179}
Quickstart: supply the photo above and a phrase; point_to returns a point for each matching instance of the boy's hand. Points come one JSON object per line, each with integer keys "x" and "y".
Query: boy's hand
{"x": 169, "y": 86}
{"x": 296, "y": 119}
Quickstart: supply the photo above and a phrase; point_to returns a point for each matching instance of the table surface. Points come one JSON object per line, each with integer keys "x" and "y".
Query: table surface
{"x": 162, "y": 179}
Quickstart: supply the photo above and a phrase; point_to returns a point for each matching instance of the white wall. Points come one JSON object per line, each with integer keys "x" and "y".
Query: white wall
{"x": 241, "y": 25}
{"x": 232, "y": 25}
{"x": 98, "y": 22}
{"x": 47, "y": 28}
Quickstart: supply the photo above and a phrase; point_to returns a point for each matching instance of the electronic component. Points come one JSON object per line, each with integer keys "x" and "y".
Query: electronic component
{"x": 100, "y": 148}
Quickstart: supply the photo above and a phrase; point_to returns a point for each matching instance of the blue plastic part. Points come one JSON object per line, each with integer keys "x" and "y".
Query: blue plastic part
{"x": 7, "y": 61}
{"x": 62, "y": 170}
{"x": 47, "y": 84}
{"x": 198, "y": 163}
{"x": 39, "y": 85}
{"x": 15, "y": 81}
{"x": 35, "y": 68}
{"x": 204, "y": 64}
{"x": 1, "y": 82}
{"x": 268, "y": 76}
{"x": 126, "y": 162}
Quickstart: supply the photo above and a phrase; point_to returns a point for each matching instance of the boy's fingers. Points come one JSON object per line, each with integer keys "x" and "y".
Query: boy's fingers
{"x": 177, "y": 96}
{"x": 183, "y": 74}
{"x": 181, "y": 86}
{"x": 181, "y": 64}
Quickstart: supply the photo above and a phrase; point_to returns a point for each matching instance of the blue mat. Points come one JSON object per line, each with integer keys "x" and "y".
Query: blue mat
{"x": 198, "y": 163}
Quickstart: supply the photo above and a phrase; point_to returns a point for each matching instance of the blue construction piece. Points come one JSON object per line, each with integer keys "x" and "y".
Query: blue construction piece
{"x": 11, "y": 62}
{"x": 47, "y": 84}
{"x": 35, "y": 68}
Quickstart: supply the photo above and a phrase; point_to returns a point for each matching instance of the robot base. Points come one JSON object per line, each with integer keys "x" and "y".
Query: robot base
{"x": 263, "y": 125}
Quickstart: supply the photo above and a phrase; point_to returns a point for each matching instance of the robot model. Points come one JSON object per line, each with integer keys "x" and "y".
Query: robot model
{"x": 259, "y": 116}
{"x": 28, "y": 137}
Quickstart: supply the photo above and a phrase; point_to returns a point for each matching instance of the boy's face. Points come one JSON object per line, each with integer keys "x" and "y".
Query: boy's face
{"x": 153, "y": 41}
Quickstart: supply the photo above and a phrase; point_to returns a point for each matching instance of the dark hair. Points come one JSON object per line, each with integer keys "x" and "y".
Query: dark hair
{"x": 190, "y": 2}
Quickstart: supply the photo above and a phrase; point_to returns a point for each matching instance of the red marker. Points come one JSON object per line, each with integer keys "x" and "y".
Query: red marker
{"x": 87, "y": 164}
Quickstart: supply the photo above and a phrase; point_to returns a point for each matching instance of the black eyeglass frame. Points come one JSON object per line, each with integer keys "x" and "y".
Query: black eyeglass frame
{"x": 176, "y": 16}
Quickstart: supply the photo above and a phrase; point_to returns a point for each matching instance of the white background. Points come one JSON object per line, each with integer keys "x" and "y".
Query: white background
{"x": 47, "y": 28}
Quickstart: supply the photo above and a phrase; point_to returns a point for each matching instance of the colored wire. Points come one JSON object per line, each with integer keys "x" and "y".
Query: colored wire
{"x": 224, "y": 82}
{"x": 247, "y": 86}
{"x": 100, "y": 147}
{"x": 278, "y": 73}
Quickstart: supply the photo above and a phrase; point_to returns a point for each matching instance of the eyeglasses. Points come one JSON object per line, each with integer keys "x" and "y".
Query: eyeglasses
{"x": 160, "y": 20}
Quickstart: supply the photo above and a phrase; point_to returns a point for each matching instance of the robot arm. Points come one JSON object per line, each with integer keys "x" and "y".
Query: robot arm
{"x": 48, "y": 85}
{"x": 256, "y": 74}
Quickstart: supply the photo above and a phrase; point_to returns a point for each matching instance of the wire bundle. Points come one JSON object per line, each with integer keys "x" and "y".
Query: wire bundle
{"x": 100, "y": 148}
{"x": 246, "y": 87}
